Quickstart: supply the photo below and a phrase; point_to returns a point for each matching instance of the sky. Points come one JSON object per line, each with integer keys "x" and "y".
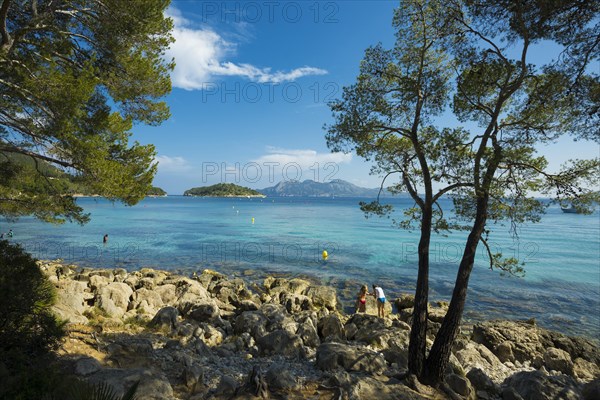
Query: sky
{"x": 251, "y": 86}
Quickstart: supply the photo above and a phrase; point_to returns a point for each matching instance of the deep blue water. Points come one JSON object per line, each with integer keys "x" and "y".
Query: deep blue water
{"x": 562, "y": 253}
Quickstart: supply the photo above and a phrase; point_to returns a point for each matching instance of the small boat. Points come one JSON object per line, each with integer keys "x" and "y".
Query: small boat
{"x": 569, "y": 210}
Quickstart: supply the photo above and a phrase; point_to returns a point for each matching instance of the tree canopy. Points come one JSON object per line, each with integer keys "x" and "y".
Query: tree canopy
{"x": 472, "y": 59}
{"x": 75, "y": 75}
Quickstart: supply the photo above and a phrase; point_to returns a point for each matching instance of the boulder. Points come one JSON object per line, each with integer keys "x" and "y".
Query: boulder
{"x": 585, "y": 370}
{"x": 295, "y": 303}
{"x": 330, "y": 328}
{"x": 204, "y": 312}
{"x": 279, "y": 377}
{"x": 253, "y": 322}
{"x": 86, "y": 366}
{"x": 558, "y": 360}
{"x": 280, "y": 342}
{"x": 331, "y": 356}
{"x": 211, "y": 335}
{"x": 167, "y": 317}
{"x": 167, "y": 293}
{"x": 308, "y": 333}
{"x": 275, "y": 286}
{"x": 460, "y": 385}
{"x": 523, "y": 336}
{"x": 72, "y": 300}
{"x": 535, "y": 385}
{"x": 147, "y": 301}
{"x": 529, "y": 342}
{"x": 97, "y": 282}
{"x": 130, "y": 351}
{"x": 481, "y": 382}
{"x": 405, "y": 301}
{"x": 323, "y": 296}
{"x": 114, "y": 298}
{"x": 189, "y": 294}
{"x": 591, "y": 390}
{"x": 152, "y": 386}
{"x": 475, "y": 355}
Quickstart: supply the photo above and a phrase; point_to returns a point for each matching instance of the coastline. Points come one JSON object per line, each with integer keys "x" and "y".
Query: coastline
{"x": 227, "y": 329}
{"x": 241, "y": 196}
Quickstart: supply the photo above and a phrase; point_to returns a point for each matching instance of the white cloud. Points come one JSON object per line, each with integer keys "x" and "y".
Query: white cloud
{"x": 172, "y": 164}
{"x": 200, "y": 55}
{"x": 305, "y": 158}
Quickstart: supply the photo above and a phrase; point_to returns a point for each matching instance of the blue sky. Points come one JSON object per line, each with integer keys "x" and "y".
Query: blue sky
{"x": 250, "y": 90}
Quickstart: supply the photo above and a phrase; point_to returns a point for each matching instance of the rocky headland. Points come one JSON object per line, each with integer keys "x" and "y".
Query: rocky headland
{"x": 209, "y": 336}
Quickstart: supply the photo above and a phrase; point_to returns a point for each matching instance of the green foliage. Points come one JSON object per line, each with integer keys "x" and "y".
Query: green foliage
{"x": 222, "y": 190}
{"x": 156, "y": 191}
{"x": 450, "y": 55}
{"x": 28, "y": 329}
{"x": 27, "y": 324}
{"x": 74, "y": 77}
{"x": 471, "y": 58}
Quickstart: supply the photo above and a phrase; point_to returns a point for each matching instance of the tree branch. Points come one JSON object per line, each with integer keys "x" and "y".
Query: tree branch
{"x": 11, "y": 149}
{"x": 6, "y": 41}
{"x": 449, "y": 188}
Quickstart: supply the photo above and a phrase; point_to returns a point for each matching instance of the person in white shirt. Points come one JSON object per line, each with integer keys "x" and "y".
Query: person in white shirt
{"x": 380, "y": 297}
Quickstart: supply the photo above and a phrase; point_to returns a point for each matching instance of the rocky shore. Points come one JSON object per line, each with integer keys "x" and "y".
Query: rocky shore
{"x": 208, "y": 336}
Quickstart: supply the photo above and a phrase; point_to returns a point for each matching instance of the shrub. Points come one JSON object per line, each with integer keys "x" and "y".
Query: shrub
{"x": 27, "y": 324}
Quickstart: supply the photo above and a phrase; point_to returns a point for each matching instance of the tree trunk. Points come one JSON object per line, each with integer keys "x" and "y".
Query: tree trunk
{"x": 439, "y": 355}
{"x": 417, "y": 344}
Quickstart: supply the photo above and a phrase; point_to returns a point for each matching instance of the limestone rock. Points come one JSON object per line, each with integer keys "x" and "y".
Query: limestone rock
{"x": 405, "y": 301}
{"x": 280, "y": 342}
{"x": 279, "y": 377}
{"x": 482, "y": 382}
{"x": 86, "y": 366}
{"x": 72, "y": 300}
{"x": 114, "y": 298}
{"x": 167, "y": 293}
{"x": 166, "y": 316}
{"x": 308, "y": 333}
{"x": 585, "y": 370}
{"x": 331, "y": 356}
{"x": 153, "y": 386}
{"x": 204, "y": 312}
{"x": 460, "y": 385}
{"x": 323, "y": 296}
{"x": 331, "y": 328}
{"x": 558, "y": 360}
{"x": 536, "y": 385}
{"x": 475, "y": 355}
{"x": 591, "y": 390}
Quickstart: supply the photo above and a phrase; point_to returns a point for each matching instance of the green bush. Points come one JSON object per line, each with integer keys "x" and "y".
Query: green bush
{"x": 28, "y": 329}
{"x": 27, "y": 324}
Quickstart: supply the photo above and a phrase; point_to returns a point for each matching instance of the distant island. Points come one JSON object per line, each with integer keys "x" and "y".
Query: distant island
{"x": 310, "y": 188}
{"x": 156, "y": 192}
{"x": 223, "y": 190}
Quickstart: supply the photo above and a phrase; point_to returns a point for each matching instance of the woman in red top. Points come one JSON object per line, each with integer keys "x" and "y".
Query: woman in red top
{"x": 361, "y": 300}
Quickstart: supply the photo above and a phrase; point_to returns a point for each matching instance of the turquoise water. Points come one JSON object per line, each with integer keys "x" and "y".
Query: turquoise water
{"x": 561, "y": 288}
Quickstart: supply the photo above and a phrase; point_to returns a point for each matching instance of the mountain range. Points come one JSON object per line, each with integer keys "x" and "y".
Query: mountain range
{"x": 310, "y": 188}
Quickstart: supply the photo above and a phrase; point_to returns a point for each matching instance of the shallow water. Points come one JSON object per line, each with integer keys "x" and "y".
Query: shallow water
{"x": 562, "y": 253}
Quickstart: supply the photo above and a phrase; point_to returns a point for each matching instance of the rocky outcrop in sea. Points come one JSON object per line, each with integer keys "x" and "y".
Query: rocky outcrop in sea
{"x": 209, "y": 336}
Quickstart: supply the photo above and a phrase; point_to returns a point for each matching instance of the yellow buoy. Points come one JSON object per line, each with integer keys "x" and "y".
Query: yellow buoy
{"x": 325, "y": 255}
{"x": 253, "y": 220}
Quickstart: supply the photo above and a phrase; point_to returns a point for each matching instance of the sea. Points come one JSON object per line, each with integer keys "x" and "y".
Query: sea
{"x": 254, "y": 237}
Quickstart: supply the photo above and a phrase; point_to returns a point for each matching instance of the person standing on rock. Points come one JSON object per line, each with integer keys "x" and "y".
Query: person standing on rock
{"x": 380, "y": 297}
{"x": 361, "y": 300}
